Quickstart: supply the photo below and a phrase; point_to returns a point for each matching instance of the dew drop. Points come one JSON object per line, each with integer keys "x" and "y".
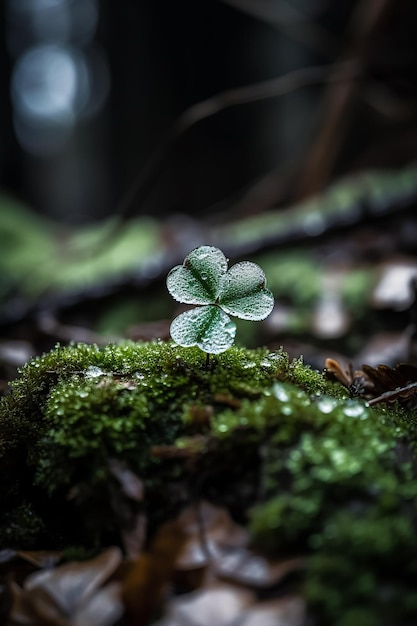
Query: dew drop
{"x": 326, "y": 404}
{"x": 280, "y": 392}
{"x": 354, "y": 408}
{"x": 271, "y": 359}
{"x": 93, "y": 372}
{"x": 266, "y": 363}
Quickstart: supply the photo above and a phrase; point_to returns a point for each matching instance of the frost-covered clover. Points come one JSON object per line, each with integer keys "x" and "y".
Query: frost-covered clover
{"x": 204, "y": 279}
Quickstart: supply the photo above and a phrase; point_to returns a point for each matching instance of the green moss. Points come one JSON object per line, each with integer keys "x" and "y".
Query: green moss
{"x": 355, "y": 289}
{"x": 23, "y": 526}
{"x": 27, "y": 247}
{"x": 309, "y": 469}
{"x": 299, "y": 278}
{"x": 338, "y": 481}
{"x": 373, "y": 559}
{"x": 293, "y": 275}
{"x": 37, "y": 255}
{"x": 74, "y": 410}
{"x": 341, "y": 201}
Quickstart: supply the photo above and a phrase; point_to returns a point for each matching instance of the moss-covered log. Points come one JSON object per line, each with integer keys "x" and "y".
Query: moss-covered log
{"x": 308, "y": 469}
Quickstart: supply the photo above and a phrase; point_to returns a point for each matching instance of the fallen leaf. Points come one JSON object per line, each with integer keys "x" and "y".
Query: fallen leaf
{"x": 245, "y": 567}
{"x": 132, "y": 485}
{"x": 147, "y": 579}
{"x": 219, "y": 606}
{"x": 61, "y": 596}
{"x": 209, "y": 530}
{"x": 289, "y": 611}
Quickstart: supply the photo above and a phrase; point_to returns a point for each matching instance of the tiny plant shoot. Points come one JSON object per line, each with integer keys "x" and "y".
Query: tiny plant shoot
{"x": 204, "y": 279}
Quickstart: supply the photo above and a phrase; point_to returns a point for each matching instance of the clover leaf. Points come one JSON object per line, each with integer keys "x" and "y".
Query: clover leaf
{"x": 204, "y": 279}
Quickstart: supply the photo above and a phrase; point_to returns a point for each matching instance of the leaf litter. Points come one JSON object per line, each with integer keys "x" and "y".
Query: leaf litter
{"x": 198, "y": 569}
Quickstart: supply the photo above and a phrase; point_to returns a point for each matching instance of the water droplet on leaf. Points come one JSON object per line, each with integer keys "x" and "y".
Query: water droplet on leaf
{"x": 208, "y": 327}
{"x": 243, "y": 292}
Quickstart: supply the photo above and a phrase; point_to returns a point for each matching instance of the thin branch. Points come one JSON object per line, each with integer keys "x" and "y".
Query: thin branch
{"x": 339, "y": 101}
{"x": 274, "y": 88}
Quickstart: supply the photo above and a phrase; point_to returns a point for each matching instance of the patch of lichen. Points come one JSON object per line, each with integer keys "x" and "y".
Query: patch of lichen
{"x": 311, "y": 470}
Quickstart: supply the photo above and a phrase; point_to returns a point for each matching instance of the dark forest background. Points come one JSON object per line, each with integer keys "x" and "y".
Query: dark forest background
{"x": 159, "y": 58}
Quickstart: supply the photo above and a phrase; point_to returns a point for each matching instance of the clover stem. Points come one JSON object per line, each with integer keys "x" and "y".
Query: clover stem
{"x": 207, "y": 359}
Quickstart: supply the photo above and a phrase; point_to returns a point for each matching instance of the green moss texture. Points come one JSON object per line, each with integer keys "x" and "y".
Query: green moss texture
{"x": 310, "y": 470}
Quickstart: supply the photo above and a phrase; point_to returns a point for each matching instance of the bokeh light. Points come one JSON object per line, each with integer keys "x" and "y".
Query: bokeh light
{"x": 60, "y": 75}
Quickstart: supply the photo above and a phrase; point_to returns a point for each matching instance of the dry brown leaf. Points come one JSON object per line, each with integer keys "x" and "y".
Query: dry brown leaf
{"x": 209, "y": 530}
{"x": 37, "y": 558}
{"x": 103, "y": 609}
{"x": 385, "y": 378}
{"x": 377, "y": 384}
{"x": 145, "y": 584}
{"x": 245, "y": 567}
{"x": 132, "y": 486}
{"x": 61, "y": 596}
{"x": 220, "y": 606}
{"x": 289, "y": 611}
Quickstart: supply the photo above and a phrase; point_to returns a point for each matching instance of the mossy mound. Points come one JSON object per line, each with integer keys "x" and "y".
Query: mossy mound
{"x": 310, "y": 470}
{"x": 74, "y": 410}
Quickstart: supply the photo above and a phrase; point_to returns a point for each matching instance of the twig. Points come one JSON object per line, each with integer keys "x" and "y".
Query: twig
{"x": 394, "y": 394}
{"x": 339, "y": 100}
{"x": 341, "y": 72}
